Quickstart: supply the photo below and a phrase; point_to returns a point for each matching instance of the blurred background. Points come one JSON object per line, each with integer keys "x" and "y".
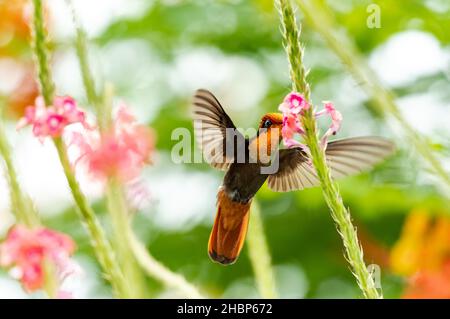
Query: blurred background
{"x": 157, "y": 53}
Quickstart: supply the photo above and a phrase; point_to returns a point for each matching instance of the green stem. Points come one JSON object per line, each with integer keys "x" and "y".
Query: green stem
{"x": 120, "y": 217}
{"x": 88, "y": 79}
{"x": 100, "y": 243}
{"x": 160, "y": 272}
{"x": 51, "y": 286}
{"x": 260, "y": 256}
{"x": 83, "y": 59}
{"x": 323, "y": 22}
{"x": 100, "y": 103}
{"x": 339, "y": 213}
{"x": 21, "y": 205}
{"x": 117, "y": 207}
{"x": 99, "y": 240}
{"x": 47, "y": 87}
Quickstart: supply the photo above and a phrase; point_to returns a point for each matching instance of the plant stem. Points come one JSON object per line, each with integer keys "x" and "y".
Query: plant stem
{"x": 339, "y": 213}
{"x": 21, "y": 205}
{"x": 259, "y": 255}
{"x": 100, "y": 243}
{"x": 318, "y": 18}
{"x": 47, "y": 87}
{"x": 115, "y": 197}
{"x": 116, "y": 202}
{"x": 160, "y": 272}
{"x": 81, "y": 48}
{"x": 102, "y": 247}
{"x": 120, "y": 218}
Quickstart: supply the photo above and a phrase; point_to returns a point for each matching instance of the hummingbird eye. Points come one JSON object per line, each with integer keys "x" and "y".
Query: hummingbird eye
{"x": 267, "y": 123}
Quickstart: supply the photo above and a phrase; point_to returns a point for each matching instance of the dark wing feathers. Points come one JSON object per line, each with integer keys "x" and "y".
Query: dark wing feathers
{"x": 295, "y": 172}
{"x": 344, "y": 157}
{"x": 210, "y": 127}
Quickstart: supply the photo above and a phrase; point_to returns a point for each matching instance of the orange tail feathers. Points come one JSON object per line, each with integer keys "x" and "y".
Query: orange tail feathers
{"x": 229, "y": 230}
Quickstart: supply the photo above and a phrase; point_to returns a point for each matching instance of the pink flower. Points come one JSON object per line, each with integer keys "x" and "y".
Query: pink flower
{"x": 52, "y": 120}
{"x": 336, "y": 120}
{"x": 121, "y": 152}
{"x": 293, "y": 108}
{"x": 28, "y": 251}
{"x": 291, "y": 126}
{"x": 294, "y": 103}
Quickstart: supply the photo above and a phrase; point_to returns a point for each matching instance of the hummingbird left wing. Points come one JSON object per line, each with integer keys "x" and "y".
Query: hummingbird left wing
{"x": 218, "y": 137}
{"x": 345, "y": 157}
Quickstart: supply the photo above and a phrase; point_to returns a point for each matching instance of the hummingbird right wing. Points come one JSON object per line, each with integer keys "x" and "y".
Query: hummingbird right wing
{"x": 215, "y": 132}
{"x": 345, "y": 157}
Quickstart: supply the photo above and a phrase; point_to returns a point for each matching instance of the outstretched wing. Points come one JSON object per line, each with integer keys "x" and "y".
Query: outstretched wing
{"x": 354, "y": 155}
{"x": 344, "y": 157}
{"x": 216, "y": 134}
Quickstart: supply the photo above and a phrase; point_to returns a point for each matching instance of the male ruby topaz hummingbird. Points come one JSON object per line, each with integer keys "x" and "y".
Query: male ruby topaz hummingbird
{"x": 225, "y": 148}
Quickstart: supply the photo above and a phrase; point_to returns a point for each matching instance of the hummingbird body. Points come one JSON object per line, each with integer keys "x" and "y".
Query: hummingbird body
{"x": 242, "y": 181}
{"x": 244, "y": 159}
{"x": 240, "y": 184}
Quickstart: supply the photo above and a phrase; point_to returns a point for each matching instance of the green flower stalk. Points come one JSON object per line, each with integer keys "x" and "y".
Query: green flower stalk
{"x": 130, "y": 249}
{"x": 121, "y": 218}
{"x": 260, "y": 256}
{"x": 115, "y": 196}
{"x": 320, "y": 20}
{"x": 102, "y": 247}
{"x": 339, "y": 213}
{"x": 47, "y": 87}
{"x": 21, "y": 205}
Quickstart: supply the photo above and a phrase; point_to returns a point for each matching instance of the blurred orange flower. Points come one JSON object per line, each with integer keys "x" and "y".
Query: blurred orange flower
{"x": 14, "y": 17}
{"x": 423, "y": 254}
{"x": 24, "y": 94}
{"x": 429, "y": 284}
{"x": 15, "y": 34}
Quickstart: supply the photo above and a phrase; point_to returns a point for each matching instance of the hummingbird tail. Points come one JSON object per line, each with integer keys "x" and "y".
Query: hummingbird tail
{"x": 229, "y": 230}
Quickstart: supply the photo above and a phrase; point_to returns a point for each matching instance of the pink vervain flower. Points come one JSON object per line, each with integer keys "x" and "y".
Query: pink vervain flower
{"x": 120, "y": 152}
{"x": 294, "y": 103}
{"x": 293, "y": 107}
{"x": 28, "y": 250}
{"x": 336, "y": 120}
{"x": 291, "y": 126}
{"x": 51, "y": 120}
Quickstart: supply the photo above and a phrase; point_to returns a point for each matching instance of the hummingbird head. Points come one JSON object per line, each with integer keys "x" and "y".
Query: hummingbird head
{"x": 271, "y": 121}
{"x": 268, "y": 137}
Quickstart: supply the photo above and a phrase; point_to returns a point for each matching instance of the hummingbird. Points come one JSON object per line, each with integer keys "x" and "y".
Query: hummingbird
{"x": 240, "y": 158}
